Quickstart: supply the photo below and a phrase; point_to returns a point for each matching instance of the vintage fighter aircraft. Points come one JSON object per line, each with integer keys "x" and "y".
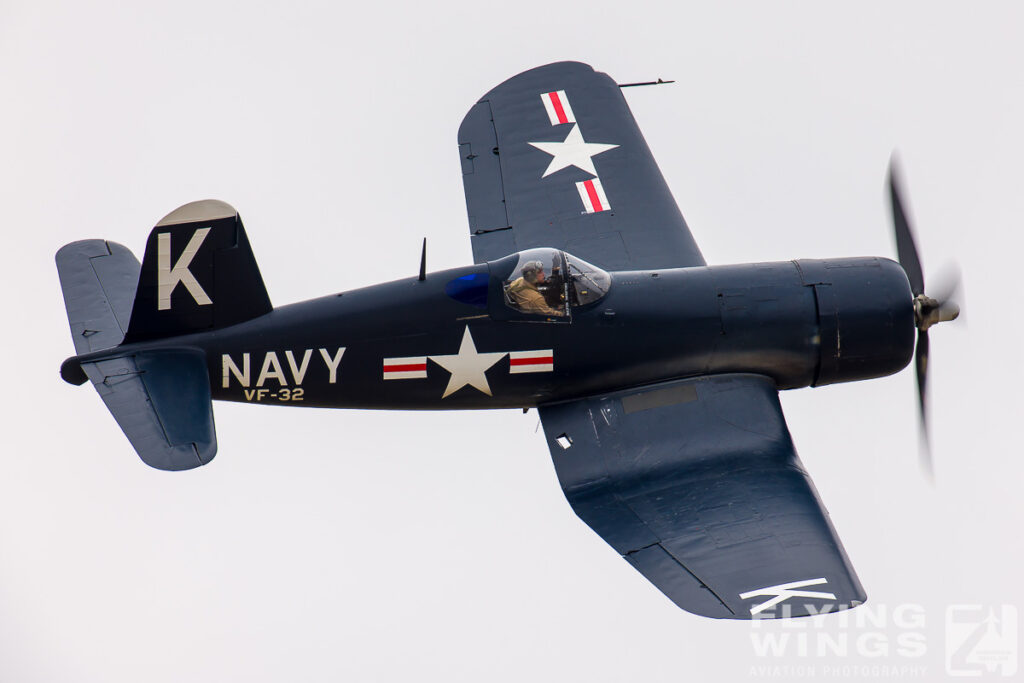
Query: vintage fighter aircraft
{"x": 655, "y": 375}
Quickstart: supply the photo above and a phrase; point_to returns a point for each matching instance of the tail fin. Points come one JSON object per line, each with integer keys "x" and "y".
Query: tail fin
{"x": 198, "y": 273}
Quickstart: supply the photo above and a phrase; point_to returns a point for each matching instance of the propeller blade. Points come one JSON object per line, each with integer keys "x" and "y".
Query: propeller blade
{"x": 928, "y": 311}
{"x": 905, "y": 248}
{"x": 949, "y": 294}
{"x": 946, "y": 284}
{"x": 921, "y": 362}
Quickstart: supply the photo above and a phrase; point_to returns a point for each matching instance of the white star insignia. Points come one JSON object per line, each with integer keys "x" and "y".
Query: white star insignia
{"x": 574, "y": 151}
{"x": 468, "y": 366}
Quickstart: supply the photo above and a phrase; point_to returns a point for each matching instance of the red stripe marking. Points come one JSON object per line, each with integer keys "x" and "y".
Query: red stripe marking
{"x": 592, "y": 193}
{"x": 544, "y": 360}
{"x": 559, "y": 111}
{"x": 405, "y": 368}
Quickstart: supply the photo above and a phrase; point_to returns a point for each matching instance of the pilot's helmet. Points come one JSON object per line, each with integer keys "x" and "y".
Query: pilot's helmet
{"x": 532, "y": 267}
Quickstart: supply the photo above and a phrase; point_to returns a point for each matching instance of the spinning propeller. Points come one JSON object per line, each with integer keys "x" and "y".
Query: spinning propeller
{"x": 927, "y": 310}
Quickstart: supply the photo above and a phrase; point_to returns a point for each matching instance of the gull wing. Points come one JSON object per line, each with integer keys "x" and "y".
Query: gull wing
{"x": 696, "y": 483}
{"x": 553, "y": 158}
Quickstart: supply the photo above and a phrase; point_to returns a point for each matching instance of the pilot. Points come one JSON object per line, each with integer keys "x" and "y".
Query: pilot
{"x": 523, "y": 292}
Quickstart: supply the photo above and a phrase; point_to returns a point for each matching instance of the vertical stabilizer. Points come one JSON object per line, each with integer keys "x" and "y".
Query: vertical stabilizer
{"x": 198, "y": 273}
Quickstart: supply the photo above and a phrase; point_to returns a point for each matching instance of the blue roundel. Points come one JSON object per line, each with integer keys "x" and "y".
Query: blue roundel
{"x": 469, "y": 289}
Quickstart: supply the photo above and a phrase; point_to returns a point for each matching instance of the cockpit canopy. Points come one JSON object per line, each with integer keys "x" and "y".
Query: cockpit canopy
{"x": 550, "y": 282}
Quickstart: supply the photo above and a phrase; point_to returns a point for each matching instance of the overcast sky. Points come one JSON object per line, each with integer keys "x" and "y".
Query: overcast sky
{"x": 372, "y": 546}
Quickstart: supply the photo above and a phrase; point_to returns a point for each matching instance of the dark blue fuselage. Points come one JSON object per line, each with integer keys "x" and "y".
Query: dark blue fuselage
{"x": 801, "y": 323}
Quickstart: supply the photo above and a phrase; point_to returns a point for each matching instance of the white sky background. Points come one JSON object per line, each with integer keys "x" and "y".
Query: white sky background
{"x": 372, "y": 546}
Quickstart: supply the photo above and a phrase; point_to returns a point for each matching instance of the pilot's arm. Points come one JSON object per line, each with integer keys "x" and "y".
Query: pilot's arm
{"x": 533, "y": 302}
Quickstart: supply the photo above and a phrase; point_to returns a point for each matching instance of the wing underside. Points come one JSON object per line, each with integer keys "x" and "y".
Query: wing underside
{"x": 697, "y": 484}
{"x": 554, "y": 158}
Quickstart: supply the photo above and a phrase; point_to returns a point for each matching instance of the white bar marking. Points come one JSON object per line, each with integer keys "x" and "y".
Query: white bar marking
{"x": 785, "y": 591}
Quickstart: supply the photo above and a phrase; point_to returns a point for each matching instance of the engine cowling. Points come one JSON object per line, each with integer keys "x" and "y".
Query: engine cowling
{"x": 865, "y": 317}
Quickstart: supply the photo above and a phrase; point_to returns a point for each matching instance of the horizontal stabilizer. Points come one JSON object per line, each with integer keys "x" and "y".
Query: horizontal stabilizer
{"x": 98, "y": 279}
{"x": 161, "y": 400}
